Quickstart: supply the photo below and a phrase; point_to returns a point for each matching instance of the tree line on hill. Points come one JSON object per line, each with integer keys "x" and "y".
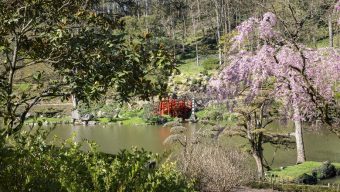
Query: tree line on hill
{"x": 189, "y": 24}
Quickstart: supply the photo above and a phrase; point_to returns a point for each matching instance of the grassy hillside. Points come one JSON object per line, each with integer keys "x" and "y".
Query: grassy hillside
{"x": 325, "y": 42}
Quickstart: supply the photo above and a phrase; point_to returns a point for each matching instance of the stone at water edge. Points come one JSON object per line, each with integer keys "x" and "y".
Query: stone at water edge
{"x": 87, "y": 117}
{"x": 75, "y": 115}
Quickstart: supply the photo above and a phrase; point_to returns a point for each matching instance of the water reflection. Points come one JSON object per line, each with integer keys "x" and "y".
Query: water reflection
{"x": 320, "y": 146}
{"x": 112, "y": 138}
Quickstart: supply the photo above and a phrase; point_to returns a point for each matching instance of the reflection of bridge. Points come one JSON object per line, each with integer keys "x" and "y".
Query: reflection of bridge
{"x": 175, "y": 108}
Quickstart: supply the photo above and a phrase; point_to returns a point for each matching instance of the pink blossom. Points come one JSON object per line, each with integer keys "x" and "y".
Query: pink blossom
{"x": 303, "y": 78}
{"x": 244, "y": 30}
{"x": 266, "y": 26}
{"x": 337, "y": 6}
{"x": 250, "y": 28}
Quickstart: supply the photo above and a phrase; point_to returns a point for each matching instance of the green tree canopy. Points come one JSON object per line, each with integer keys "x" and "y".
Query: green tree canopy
{"x": 61, "y": 47}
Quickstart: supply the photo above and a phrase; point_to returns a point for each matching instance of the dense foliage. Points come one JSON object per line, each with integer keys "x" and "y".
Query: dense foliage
{"x": 325, "y": 171}
{"x": 83, "y": 49}
{"x": 63, "y": 48}
{"x": 32, "y": 164}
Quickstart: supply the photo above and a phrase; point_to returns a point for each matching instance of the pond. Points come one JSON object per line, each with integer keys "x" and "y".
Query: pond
{"x": 113, "y": 138}
{"x": 320, "y": 145}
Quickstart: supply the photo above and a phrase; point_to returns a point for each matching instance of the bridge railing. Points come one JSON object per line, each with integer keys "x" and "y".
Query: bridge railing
{"x": 174, "y": 107}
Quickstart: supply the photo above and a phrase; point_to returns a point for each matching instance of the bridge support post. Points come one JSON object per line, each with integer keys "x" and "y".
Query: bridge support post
{"x": 193, "y": 107}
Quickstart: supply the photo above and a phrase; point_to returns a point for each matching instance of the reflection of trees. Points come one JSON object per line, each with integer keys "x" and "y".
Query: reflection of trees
{"x": 76, "y": 133}
{"x": 163, "y": 133}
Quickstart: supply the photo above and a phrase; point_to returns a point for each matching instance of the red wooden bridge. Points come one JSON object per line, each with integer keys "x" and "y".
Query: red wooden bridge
{"x": 175, "y": 107}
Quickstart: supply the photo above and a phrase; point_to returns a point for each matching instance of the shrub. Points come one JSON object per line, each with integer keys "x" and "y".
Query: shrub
{"x": 110, "y": 110}
{"x": 166, "y": 179}
{"x": 210, "y": 63}
{"x": 216, "y": 113}
{"x": 210, "y": 114}
{"x": 214, "y": 168}
{"x": 196, "y": 81}
{"x": 30, "y": 164}
{"x": 159, "y": 119}
{"x": 307, "y": 179}
{"x": 101, "y": 109}
{"x": 327, "y": 170}
{"x": 338, "y": 172}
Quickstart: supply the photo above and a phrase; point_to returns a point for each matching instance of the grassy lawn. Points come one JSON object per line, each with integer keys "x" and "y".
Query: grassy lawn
{"x": 189, "y": 68}
{"x": 134, "y": 121}
{"x": 294, "y": 171}
{"x": 325, "y": 42}
{"x": 23, "y": 87}
{"x": 104, "y": 120}
{"x": 124, "y": 121}
{"x": 50, "y": 120}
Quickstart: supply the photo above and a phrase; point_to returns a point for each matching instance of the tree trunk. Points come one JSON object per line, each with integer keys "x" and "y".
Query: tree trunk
{"x": 174, "y": 40}
{"x": 147, "y": 16}
{"x": 228, "y": 16}
{"x": 75, "y": 113}
{"x": 74, "y": 102}
{"x": 259, "y": 163}
{"x": 300, "y": 148}
{"x": 256, "y": 149}
{"x": 198, "y": 11}
{"x": 184, "y": 33}
{"x": 330, "y": 31}
{"x": 218, "y": 32}
{"x": 9, "y": 116}
{"x": 194, "y": 25}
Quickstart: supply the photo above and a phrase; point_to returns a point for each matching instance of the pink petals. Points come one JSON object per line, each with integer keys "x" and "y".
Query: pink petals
{"x": 302, "y": 77}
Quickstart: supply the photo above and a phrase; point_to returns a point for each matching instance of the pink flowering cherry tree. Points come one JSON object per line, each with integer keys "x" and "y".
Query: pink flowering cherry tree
{"x": 302, "y": 79}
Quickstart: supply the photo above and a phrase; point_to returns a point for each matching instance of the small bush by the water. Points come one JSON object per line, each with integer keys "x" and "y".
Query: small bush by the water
{"x": 327, "y": 170}
{"x": 307, "y": 179}
{"x": 158, "y": 119}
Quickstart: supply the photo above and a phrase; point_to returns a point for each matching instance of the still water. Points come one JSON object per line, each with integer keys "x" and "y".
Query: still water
{"x": 320, "y": 145}
{"x": 113, "y": 138}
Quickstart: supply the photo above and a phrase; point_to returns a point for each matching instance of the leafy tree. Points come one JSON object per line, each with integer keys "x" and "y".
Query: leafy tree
{"x": 254, "y": 112}
{"x": 86, "y": 51}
